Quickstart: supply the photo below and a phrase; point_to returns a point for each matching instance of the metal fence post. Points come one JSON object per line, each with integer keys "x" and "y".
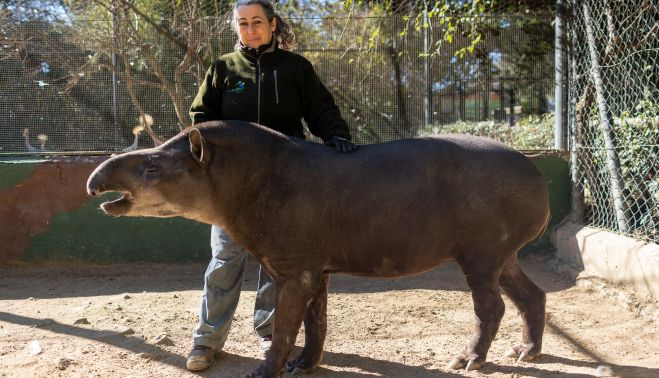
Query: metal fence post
{"x": 427, "y": 100}
{"x": 560, "y": 72}
{"x": 613, "y": 163}
{"x": 577, "y": 200}
{"x": 115, "y": 105}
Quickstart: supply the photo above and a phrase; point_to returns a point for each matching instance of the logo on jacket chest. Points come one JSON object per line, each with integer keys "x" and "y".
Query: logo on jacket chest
{"x": 237, "y": 87}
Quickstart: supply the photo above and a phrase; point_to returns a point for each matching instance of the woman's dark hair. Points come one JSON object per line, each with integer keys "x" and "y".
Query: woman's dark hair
{"x": 283, "y": 33}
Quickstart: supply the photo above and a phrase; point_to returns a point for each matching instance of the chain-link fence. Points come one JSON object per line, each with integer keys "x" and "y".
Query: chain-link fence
{"x": 614, "y": 113}
{"x": 71, "y": 84}
{"x": 80, "y": 81}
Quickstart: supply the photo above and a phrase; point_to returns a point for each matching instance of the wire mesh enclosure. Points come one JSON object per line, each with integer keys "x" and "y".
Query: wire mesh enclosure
{"x": 81, "y": 82}
{"x": 84, "y": 78}
{"x": 614, "y": 113}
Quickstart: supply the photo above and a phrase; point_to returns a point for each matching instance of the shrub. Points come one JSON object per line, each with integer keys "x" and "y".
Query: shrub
{"x": 535, "y": 132}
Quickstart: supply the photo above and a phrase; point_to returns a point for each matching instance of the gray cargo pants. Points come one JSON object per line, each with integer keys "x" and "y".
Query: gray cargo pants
{"x": 222, "y": 285}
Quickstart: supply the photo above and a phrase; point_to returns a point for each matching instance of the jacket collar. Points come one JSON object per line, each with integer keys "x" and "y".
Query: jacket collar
{"x": 255, "y": 53}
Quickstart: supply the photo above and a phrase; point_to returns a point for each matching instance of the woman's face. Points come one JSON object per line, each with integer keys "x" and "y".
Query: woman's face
{"x": 253, "y": 27}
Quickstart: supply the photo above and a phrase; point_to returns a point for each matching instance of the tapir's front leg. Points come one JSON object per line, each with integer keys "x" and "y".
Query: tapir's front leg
{"x": 294, "y": 293}
{"x": 315, "y": 330}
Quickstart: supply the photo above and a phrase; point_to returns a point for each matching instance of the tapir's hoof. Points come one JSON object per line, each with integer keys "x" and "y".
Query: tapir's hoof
{"x": 523, "y": 353}
{"x": 296, "y": 367}
{"x": 258, "y": 375}
{"x": 460, "y": 362}
{"x": 262, "y": 372}
{"x": 299, "y": 371}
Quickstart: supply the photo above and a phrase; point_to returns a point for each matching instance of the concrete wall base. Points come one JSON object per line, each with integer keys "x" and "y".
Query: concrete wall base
{"x": 615, "y": 258}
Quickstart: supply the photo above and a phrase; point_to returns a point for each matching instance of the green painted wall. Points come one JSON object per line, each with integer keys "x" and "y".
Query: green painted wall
{"x": 86, "y": 234}
{"x": 13, "y": 173}
{"x": 556, "y": 172}
{"x": 34, "y": 227}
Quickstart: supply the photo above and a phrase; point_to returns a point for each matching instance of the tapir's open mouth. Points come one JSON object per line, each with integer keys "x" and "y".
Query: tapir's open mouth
{"x": 119, "y": 206}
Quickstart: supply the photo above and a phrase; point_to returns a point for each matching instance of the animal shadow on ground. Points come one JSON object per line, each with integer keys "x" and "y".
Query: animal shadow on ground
{"x": 535, "y": 369}
{"x": 373, "y": 367}
{"x": 231, "y": 365}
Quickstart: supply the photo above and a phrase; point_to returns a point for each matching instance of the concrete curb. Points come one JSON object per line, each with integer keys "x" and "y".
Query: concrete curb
{"x": 615, "y": 258}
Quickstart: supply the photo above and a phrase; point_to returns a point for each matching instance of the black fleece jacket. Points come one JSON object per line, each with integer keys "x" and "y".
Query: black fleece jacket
{"x": 270, "y": 86}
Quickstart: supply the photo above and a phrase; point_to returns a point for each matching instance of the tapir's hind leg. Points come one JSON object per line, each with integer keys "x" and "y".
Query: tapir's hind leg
{"x": 530, "y": 301}
{"x": 489, "y": 309}
{"x": 315, "y": 330}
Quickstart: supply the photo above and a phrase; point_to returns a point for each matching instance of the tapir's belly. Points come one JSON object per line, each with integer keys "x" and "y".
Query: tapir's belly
{"x": 388, "y": 266}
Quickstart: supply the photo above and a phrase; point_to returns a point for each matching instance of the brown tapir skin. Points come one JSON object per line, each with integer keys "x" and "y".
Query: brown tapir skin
{"x": 387, "y": 210}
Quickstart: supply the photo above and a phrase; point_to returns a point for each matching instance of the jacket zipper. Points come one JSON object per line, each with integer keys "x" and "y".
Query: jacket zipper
{"x": 258, "y": 90}
{"x": 276, "y": 88}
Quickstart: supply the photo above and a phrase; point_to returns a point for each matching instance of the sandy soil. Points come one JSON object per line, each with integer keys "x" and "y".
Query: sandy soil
{"x": 136, "y": 321}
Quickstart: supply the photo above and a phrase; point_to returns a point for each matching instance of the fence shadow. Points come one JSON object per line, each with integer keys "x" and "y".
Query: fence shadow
{"x": 131, "y": 343}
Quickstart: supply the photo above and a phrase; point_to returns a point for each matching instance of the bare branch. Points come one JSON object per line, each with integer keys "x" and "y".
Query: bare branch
{"x": 181, "y": 44}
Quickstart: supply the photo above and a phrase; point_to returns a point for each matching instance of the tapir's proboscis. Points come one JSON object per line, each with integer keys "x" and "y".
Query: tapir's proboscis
{"x": 387, "y": 210}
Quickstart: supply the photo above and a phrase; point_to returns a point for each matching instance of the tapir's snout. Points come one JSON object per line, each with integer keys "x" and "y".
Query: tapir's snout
{"x": 97, "y": 181}
{"x": 102, "y": 181}
{"x": 93, "y": 187}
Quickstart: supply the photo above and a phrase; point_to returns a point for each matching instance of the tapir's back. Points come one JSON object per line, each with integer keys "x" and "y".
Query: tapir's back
{"x": 433, "y": 170}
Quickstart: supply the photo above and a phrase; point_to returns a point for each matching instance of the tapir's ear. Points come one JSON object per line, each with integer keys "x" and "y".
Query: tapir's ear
{"x": 198, "y": 147}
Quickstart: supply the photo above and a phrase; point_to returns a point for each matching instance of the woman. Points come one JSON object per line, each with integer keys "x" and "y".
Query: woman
{"x": 265, "y": 83}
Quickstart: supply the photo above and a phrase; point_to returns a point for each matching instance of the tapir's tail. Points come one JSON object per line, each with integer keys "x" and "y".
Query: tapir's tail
{"x": 544, "y": 227}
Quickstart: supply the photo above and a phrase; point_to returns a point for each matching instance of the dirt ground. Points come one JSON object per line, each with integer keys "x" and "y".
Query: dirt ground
{"x": 135, "y": 320}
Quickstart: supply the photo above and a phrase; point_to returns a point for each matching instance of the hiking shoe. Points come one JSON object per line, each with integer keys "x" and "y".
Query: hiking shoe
{"x": 266, "y": 342}
{"x": 200, "y": 358}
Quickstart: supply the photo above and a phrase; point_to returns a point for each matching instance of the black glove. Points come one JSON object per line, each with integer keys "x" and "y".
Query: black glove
{"x": 341, "y": 144}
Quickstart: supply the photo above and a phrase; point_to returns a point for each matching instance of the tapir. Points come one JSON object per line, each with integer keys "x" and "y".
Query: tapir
{"x": 387, "y": 210}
